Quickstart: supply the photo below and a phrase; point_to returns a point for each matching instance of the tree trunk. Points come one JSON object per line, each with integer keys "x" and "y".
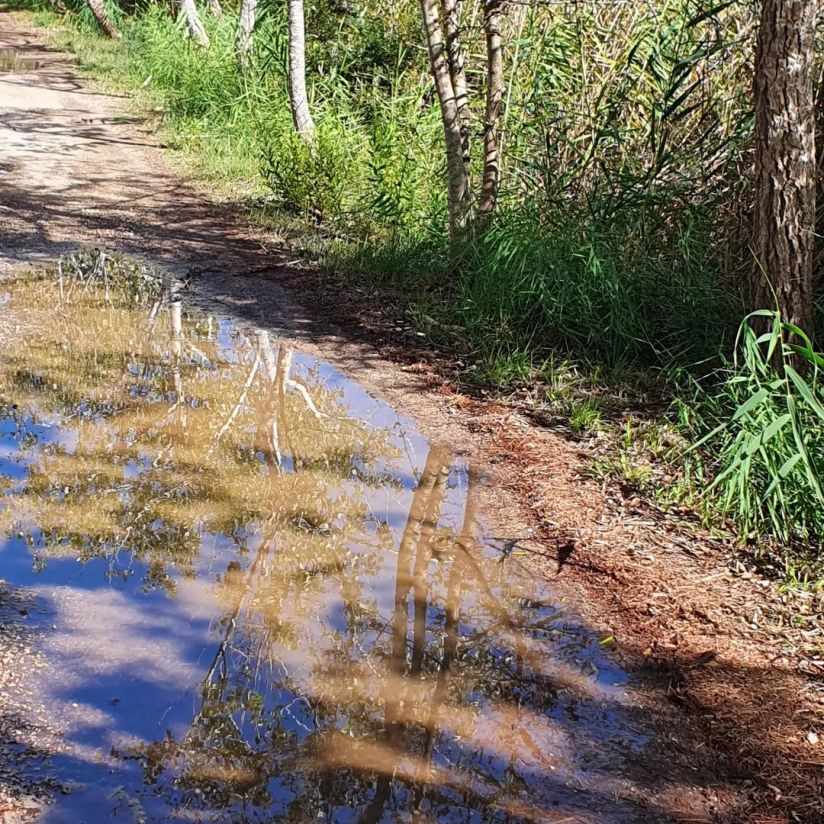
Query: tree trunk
{"x": 196, "y": 31}
{"x": 459, "y": 200}
{"x": 176, "y": 313}
{"x": 454, "y": 54}
{"x": 215, "y": 8}
{"x": 99, "y": 11}
{"x": 818, "y": 263}
{"x": 492, "y": 114}
{"x": 298, "y": 99}
{"x": 785, "y": 167}
{"x": 245, "y": 27}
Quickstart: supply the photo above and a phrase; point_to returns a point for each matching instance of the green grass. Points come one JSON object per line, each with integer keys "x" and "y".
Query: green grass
{"x": 767, "y": 435}
{"x": 585, "y": 417}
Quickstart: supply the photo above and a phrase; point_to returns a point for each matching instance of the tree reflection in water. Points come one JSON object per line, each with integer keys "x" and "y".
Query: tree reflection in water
{"x": 357, "y": 674}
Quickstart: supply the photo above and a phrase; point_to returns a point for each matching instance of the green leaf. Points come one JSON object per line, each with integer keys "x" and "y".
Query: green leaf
{"x": 759, "y": 397}
{"x": 806, "y": 393}
{"x": 789, "y": 465}
{"x": 707, "y": 13}
{"x": 778, "y": 424}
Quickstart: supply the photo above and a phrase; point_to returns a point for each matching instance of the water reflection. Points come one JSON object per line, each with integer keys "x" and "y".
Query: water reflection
{"x": 12, "y": 61}
{"x": 284, "y": 609}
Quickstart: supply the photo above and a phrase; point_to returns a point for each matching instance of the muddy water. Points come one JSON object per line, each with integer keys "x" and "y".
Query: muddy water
{"x": 263, "y": 596}
{"x": 12, "y": 61}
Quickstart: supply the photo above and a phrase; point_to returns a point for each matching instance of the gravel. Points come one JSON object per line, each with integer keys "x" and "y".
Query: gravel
{"x": 28, "y": 735}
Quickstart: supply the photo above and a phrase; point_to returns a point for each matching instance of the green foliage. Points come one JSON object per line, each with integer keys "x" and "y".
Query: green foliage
{"x": 84, "y": 19}
{"x": 590, "y": 291}
{"x": 361, "y": 40}
{"x": 585, "y": 417}
{"x": 311, "y": 178}
{"x": 768, "y": 437}
{"x": 605, "y": 243}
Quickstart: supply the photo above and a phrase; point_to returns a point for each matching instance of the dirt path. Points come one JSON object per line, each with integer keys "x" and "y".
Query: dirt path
{"x": 737, "y": 717}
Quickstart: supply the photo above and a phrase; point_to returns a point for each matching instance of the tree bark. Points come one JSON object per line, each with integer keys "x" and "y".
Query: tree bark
{"x": 298, "y": 99}
{"x": 459, "y": 199}
{"x": 215, "y": 8}
{"x": 785, "y": 160}
{"x": 99, "y": 11}
{"x": 818, "y": 262}
{"x": 450, "y": 10}
{"x": 245, "y": 27}
{"x": 196, "y": 31}
{"x": 492, "y": 114}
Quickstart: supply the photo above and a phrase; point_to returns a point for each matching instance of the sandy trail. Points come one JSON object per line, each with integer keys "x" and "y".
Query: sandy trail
{"x": 76, "y": 169}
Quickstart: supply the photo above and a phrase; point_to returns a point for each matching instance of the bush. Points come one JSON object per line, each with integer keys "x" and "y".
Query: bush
{"x": 768, "y": 437}
{"x": 322, "y": 178}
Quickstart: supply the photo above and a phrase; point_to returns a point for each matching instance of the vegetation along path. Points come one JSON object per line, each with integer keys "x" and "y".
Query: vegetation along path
{"x": 685, "y": 687}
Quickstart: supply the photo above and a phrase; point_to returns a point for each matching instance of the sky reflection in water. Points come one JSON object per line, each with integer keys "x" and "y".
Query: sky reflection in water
{"x": 270, "y": 597}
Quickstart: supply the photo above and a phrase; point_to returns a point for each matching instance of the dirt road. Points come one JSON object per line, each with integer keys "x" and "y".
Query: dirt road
{"x": 78, "y": 169}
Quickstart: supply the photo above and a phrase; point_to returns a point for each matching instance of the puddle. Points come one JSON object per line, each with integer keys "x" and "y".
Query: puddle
{"x": 12, "y": 61}
{"x": 264, "y": 597}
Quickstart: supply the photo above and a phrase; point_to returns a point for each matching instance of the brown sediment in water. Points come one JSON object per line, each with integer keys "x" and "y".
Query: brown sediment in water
{"x": 242, "y": 548}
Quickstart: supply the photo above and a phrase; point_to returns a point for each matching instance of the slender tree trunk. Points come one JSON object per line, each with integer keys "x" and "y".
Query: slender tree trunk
{"x": 459, "y": 199}
{"x": 419, "y": 572}
{"x": 99, "y": 11}
{"x": 450, "y": 10}
{"x": 196, "y": 31}
{"x": 492, "y": 114}
{"x": 245, "y": 27}
{"x": 298, "y": 99}
{"x": 215, "y": 8}
{"x": 785, "y": 160}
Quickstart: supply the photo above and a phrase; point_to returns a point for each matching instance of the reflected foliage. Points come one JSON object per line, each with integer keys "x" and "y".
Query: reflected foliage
{"x": 163, "y": 435}
{"x": 370, "y": 658}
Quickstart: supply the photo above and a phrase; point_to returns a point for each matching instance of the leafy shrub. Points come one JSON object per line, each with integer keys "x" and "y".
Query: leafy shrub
{"x": 768, "y": 440}
{"x": 320, "y": 177}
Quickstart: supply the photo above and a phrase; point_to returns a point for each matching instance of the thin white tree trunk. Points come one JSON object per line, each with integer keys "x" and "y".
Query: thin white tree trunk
{"x": 215, "y": 8}
{"x": 176, "y": 311}
{"x": 196, "y": 31}
{"x": 459, "y": 199}
{"x": 99, "y": 11}
{"x": 492, "y": 114}
{"x": 245, "y": 27}
{"x": 454, "y": 53}
{"x": 271, "y": 371}
{"x": 298, "y": 99}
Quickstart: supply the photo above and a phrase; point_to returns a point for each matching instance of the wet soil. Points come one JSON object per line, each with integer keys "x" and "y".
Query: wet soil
{"x": 717, "y": 723}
